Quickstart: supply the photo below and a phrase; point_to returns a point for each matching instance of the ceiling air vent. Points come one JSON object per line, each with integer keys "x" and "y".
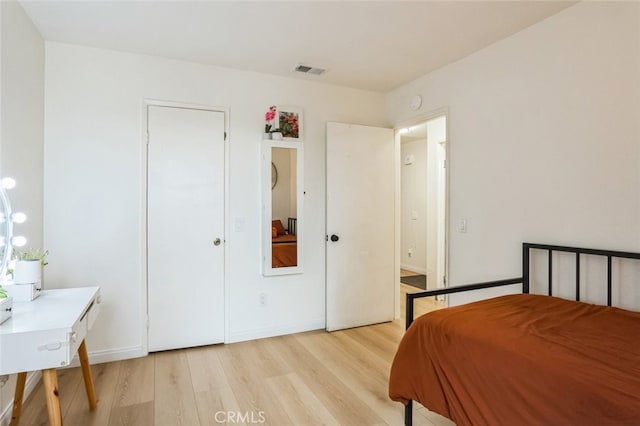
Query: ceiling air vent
{"x": 309, "y": 70}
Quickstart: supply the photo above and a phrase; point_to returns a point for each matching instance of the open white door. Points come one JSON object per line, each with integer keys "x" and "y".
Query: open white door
{"x": 185, "y": 215}
{"x": 360, "y": 225}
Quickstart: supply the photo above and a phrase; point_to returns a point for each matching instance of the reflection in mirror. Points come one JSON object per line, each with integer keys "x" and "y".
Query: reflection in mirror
{"x": 282, "y": 199}
{"x": 284, "y": 244}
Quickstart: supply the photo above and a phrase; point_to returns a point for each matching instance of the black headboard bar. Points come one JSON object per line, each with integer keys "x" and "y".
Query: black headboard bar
{"x": 526, "y": 275}
{"x": 597, "y": 252}
{"x": 550, "y": 278}
{"x": 609, "y": 254}
{"x": 525, "y": 269}
{"x": 577, "y": 277}
{"x": 609, "y": 280}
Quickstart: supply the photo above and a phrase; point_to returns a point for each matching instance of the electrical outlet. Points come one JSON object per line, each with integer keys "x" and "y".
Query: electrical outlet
{"x": 262, "y": 299}
{"x": 410, "y": 253}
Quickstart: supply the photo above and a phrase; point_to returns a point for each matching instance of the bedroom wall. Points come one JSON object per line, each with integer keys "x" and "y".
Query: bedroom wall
{"x": 94, "y": 210}
{"x": 21, "y": 133}
{"x": 544, "y": 131}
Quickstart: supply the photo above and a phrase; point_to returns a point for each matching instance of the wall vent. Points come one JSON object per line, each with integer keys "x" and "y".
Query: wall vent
{"x": 309, "y": 70}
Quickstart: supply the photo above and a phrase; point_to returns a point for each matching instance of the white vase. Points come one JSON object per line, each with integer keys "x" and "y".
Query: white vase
{"x": 276, "y": 136}
{"x": 27, "y": 272}
{"x": 266, "y": 136}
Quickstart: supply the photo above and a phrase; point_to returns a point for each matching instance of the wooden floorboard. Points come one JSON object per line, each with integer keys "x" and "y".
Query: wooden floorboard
{"x": 313, "y": 378}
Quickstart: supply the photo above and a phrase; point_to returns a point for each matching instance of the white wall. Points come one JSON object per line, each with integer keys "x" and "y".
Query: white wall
{"x": 94, "y": 199}
{"x": 413, "y": 219}
{"x": 544, "y": 129}
{"x": 21, "y": 132}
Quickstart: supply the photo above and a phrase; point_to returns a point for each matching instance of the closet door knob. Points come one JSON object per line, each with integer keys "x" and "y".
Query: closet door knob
{"x": 216, "y": 242}
{"x": 334, "y": 238}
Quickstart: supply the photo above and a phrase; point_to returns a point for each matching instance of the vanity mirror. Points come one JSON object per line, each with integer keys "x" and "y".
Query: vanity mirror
{"x": 282, "y": 197}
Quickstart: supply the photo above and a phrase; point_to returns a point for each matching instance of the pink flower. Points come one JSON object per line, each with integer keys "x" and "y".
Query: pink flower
{"x": 271, "y": 114}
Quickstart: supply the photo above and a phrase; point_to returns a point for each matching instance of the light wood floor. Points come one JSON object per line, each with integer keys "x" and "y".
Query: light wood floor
{"x": 309, "y": 378}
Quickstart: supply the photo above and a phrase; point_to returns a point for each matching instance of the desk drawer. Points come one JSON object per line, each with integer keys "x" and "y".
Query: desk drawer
{"x": 6, "y": 308}
{"x": 36, "y": 350}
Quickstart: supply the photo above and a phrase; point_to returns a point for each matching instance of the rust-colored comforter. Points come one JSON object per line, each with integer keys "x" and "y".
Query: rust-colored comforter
{"x": 523, "y": 360}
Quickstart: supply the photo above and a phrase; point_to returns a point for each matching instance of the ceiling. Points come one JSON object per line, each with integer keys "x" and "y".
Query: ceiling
{"x": 372, "y": 45}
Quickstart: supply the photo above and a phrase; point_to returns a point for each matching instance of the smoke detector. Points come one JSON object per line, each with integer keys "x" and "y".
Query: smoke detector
{"x": 305, "y": 69}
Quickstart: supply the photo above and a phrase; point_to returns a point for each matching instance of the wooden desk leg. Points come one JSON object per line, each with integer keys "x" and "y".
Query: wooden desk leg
{"x": 17, "y": 399}
{"x": 86, "y": 374}
{"x": 50, "y": 378}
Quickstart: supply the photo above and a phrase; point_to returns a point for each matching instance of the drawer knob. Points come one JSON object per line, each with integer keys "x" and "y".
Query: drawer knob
{"x": 74, "y": 337}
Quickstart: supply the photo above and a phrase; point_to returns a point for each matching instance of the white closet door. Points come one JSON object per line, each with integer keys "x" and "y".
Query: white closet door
{"x": 185, "y": 217}
{"x": 360, "y": 225}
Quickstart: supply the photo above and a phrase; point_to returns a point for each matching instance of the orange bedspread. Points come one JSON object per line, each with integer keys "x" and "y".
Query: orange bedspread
{"x": 523, "y": 360}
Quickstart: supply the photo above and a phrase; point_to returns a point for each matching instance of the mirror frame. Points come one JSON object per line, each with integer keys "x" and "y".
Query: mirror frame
{"x": 267, "y": 207}
{"x": 6, "y": 223}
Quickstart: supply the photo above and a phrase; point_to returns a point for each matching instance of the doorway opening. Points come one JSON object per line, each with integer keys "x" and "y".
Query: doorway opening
{"x": 423, "y": 209}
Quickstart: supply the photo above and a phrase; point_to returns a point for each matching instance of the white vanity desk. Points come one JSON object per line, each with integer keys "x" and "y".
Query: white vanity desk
{"x": 45, "y": 334}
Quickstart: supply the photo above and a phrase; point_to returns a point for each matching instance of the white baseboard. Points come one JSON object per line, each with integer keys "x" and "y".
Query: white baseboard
{"x": 98, "y": 357}
{"x": 413, "y": 268}
{"x": 32, "y": 381}
{"x": 261, "y": 333}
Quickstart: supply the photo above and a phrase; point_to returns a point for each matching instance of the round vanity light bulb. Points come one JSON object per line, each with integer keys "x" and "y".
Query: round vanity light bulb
{"x": 18, "y": 241}
{"x": 18, "y": 217}
{"x": 8, "y": 183}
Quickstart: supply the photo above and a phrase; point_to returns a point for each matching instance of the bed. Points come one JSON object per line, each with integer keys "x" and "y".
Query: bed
{"x": 524, "y": 358}
{"x": 284, "y": 244}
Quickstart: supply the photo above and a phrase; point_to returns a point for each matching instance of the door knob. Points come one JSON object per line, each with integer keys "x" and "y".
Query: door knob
{"x": 334, "y": 238}
{"x": 216, "y": 242}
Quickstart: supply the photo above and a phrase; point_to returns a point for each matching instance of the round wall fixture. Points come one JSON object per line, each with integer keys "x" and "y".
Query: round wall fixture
{"x": 416, "y": 102}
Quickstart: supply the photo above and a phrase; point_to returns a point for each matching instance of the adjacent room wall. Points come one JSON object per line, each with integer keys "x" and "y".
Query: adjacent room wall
{"x": 544, "y": 131}
{"x": 413, "y": 220}
{"x": 94, "y": 200}
{"x": 21, "y": 132}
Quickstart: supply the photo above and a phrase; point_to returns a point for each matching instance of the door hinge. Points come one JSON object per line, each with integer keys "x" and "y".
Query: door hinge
{"x": 225, "y": 136}
{"x": 444, "y": 164}
{"x": 148, "y": 322}
{"x": 147, "y": 138}
{"x": 444, "y": 280}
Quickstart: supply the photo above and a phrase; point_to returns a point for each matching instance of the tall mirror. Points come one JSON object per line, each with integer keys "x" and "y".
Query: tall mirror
{"x": 282, "y": 207}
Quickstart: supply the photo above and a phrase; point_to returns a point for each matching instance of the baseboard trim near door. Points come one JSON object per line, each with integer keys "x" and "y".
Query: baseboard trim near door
{"x": 413, "y": 269}
{"x": 281, "y": 330}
